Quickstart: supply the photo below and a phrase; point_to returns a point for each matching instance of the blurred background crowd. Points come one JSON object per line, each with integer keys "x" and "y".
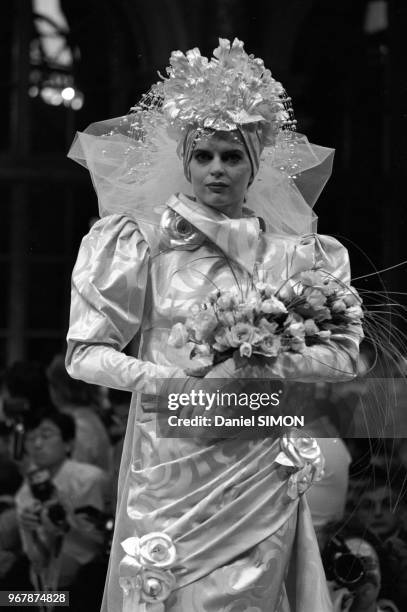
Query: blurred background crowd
{"x": 67, "y": 63}
{"x": 60, "y": 449}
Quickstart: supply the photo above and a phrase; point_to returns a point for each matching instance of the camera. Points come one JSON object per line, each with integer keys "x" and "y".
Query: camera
{"x": 342, "y": 566}
{"x": 43, "y": 489}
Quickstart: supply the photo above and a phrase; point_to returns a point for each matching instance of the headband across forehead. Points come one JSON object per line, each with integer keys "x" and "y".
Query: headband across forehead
{"x": 249, "y": 137}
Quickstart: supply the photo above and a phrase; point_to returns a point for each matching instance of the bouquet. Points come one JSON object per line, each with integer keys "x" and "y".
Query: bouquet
{"x": 265, "y": 320}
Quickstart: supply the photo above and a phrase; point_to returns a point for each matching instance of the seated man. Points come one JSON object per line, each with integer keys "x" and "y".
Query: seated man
{"x": 57, "y": 537}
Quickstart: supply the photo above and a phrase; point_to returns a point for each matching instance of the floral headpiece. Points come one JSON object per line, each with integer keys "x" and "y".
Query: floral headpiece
{"x": 231, "y": 90}
{"x": 135, "y": 166}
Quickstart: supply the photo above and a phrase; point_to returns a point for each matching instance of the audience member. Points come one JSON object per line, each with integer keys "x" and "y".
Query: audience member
{"x": 76, "y": 398}
{"x": 54, "y": 501}
{"x": 353, "y": 571}
{"x": 13, "y": 572}
{"x": 376, "y": 502}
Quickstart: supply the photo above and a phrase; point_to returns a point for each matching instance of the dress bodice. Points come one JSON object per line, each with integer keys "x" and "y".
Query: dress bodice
{"x": 129, "y": 277}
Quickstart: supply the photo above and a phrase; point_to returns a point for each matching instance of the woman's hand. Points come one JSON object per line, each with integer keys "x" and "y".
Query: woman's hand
{"x": 224, "y": 370}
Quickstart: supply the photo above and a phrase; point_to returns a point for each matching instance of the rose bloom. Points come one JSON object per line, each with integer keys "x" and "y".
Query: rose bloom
{"x": 338, "y": 306}
{"x": 273, "y": 306}
{"x": 246, "y": 349}
{"x": 314, "y": 297}
{"x": 252, "y": 301}
{"x": 351, "y": 297}
{"x": 301, "y": 449}
{"x": 156, "y": 584}
{"x": 270, "y": 346}
{"x": 322, "y": 314}
{"x": 178, "y": 336}
{"x": 313, "y": 278}
{"x": 260, "y": 286}
{"x": 296, "y": 329}
{"x": 244, "y": 315}
{"x": 241, "y": 332}
{"x": 157, "y": 549}
{"x": 286, "y": 292}
{"x": 310, "y": 328}
{"x": 265, "y": 288}
{"x": 354, "y": 313}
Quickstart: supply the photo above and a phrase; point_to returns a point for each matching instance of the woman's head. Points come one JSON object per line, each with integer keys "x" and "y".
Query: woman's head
{"x": 220, "y": 169}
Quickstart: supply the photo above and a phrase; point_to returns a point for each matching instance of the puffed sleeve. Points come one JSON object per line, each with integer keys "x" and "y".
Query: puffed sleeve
{"x": 336, "y": 359}
{"x": 108, "y": 292}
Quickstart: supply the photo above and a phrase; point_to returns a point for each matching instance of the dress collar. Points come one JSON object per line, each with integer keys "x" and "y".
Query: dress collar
{"x": 237, "y": 238}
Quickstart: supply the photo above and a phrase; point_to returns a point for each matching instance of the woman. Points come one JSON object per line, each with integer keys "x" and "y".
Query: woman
{"x": 201, "y": 525}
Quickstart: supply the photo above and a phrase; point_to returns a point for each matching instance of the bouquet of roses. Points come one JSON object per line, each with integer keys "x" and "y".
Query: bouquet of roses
{"x": 264, "y": 320}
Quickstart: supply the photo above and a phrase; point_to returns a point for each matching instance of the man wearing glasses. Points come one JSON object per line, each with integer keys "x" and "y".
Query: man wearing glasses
{"x": 57, "y": 539}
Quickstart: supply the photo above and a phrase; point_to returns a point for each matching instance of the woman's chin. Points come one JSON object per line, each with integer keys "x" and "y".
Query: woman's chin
{"x": 219, "y": 202}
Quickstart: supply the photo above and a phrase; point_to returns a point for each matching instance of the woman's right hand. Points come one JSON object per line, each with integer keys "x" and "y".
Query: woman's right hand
{"x": 224, "y": 370}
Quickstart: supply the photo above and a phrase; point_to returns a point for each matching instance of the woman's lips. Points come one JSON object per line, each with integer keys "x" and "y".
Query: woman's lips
{"x": 217, "y": 187}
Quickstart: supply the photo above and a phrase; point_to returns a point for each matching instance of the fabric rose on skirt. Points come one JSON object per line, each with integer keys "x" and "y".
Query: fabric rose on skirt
{"x": 302, "y": 453}
{"x": 145, "y": 576}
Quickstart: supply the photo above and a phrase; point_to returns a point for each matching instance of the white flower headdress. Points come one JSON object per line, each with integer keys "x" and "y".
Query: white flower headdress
{"x": 133, "y": 159}
{"x": 231, "y": 90}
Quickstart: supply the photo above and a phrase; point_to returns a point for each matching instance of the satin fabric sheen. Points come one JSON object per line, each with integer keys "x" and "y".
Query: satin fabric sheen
{"x": 242, "y": 543}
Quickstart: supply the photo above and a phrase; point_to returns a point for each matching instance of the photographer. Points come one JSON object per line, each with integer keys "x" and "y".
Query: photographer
{"x": 13, "y": 566}
{"x": 56, "y": 538}
{"x": 353, "y": 570}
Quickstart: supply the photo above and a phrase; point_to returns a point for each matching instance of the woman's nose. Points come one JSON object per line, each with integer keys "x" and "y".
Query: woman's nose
{"x": 216, "y": 166}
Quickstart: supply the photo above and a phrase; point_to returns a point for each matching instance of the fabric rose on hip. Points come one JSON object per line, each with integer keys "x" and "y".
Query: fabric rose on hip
{"x": 156, "y": 584}
{"x": 157, "y": 550}
{"x": 302, "y": 453}
{"x": 154, "y": 549}
{"x": 144, "y": 574}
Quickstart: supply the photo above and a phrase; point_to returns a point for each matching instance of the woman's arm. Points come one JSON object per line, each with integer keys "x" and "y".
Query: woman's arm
{"x": 108, "y": 291}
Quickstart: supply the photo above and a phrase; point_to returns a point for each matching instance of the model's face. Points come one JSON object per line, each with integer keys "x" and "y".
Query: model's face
{"x": 220, "y": 172}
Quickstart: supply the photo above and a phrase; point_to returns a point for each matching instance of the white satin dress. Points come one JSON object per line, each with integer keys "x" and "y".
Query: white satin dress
{"x": 242, "y": 544}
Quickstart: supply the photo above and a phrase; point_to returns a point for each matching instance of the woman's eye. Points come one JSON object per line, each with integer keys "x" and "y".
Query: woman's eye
{"x": 201, "y": 156}
{"x": 233, "y": 158}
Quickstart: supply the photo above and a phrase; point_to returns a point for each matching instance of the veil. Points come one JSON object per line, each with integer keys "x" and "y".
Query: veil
{"x": 135, "y": 168}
